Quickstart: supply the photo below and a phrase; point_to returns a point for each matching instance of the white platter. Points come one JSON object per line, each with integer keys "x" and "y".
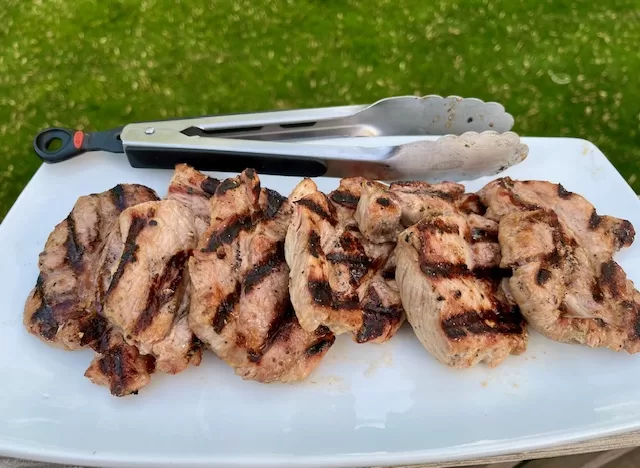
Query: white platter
{"x": 365, "y": 405}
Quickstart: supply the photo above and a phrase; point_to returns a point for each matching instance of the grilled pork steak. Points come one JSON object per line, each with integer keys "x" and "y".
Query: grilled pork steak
{"x": 141, "y": 278}
{"x": 338, "y": 279}
{"x": 450, "y": 283}
{"x": 59, "y": 310}
{"x": 240, "y": 303}
{"x": 564, "y": 277}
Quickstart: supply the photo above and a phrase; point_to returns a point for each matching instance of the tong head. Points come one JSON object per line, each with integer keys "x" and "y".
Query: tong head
{"x": 403, "y": 115}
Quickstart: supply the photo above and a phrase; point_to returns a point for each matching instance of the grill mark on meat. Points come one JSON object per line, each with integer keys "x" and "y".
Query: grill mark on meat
{"x": 543, "y": 276}
{"x": 472, "y": 204}
{"x": 594, "y": 220}
{"x": 507, "y": 184}
{"x": 445, "y": 269}
{"x": 563, "y": 192}
{"x": 227, "y": 234}
{"x": 209, "y": 185}
{"x": 383, "y": 201}
{"x": 322, "y": 294}
{"x": 376, "y": 317}
{"x": 270, "y": 263}
{"x": 75, "y": 251}
{"x": 129, "y": 251}
{"x": 314, "y": 244}
{"x": 168, "y": 280}
{"x": 611, "y": 278}
{"x": 43, "y": 316}
{"x": 457, "y": 294}
{"x": 94, "y": 330}
{"x": 358, "y": 264}
{"x": 320, "y": 347}
{"x": 317, "y": 209}
{"x": 483, "y": 235}
{"x": 444, "y": 195}
{"x": 345, "y": 198}
{"x": 505, "y": 322}
{"x": 278, "y": 330}
{"x": 596, "y": 292}
{"x": 389, "y": 273}
{"x": 274, "y": 203}
{"x": 624, "y": 233}
{"x": 226, "y": 185}
{"x": 438, "y": 225}
{"x": 225, "y": 308}
{"x": 117, "y": 194}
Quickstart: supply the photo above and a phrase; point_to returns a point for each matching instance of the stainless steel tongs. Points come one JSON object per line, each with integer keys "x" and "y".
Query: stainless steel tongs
{"x": 476, "y": 140}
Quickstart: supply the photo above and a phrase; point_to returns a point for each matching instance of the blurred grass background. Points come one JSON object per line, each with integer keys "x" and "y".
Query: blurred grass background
{"x": 562, "y": 68}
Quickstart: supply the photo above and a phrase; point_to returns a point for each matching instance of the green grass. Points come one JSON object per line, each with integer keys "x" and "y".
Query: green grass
{"x": 562, "y": 68}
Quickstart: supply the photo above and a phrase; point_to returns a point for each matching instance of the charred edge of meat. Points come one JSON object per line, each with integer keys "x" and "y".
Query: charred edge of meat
{"x": 94, "y": 330}
{"x": 483, "y": 235}
{"x": 226, "y": 185}
{"x": 507, "y": 184}
{"x": 75, "y": 251}
{"x": 118, "y": 365}
{"x": 209, "y": 186}
{"x": 446, "y": 196}
{"x": 594, "y": 220}
{"x": 376, "y": 318}
{"x": 274, "y": 203}
{"x": 612, "y": 278}
{"x": 279, "y": 330}
{"x": 358, "y": 264}
{"x": 563, "y": 192}
{"x": 315, "y": 249}
{"x": 322, "y": 331}
{"x": 195, "y": 346}
{"x": 351, "y": 243}
{"x": 250, "y": 173}
{"x": 321, "y": 346}
{"x": 624, "y": 233}
{"x": 129, "y": 251}
{"x": 225, "y": 308}
{"x": 167, "y": 281}
{"x": 438, "y": 225}
{"x": 119, "y": 200}
{"x": 345, "y": 198}
{"x": 322, "y": 294}
{"x": 43, "y": 317}
{"x": 543, "y": 276}
{"x": 228, "y": 233}
{"x": 504, "y": 321}
{"x": 317, "y": 209}
{"x": 270, "y": 263}
{"x": 382, "y": 201}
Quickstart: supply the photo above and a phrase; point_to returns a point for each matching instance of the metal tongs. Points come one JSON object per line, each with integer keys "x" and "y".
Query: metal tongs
{"x": 475, "y": 141}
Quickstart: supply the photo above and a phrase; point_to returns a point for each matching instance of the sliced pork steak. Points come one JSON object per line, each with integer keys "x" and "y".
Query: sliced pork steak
{"x": 561, "y": 251}
{"x": 240, "y": 303}
{"x": 339, "y": 279}
{"x": 59, "y": 310}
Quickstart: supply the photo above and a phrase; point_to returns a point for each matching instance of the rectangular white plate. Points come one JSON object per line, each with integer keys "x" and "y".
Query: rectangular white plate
{"x": 365, "y": 404}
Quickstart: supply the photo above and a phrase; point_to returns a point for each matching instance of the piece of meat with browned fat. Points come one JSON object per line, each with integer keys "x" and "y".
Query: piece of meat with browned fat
{"x": 240, "y": 303}
{"x": 142, "y": 280}
{"x": 193, "y": 189}
{"x": 339, "y": 279}
{"x": 59, "y": 310}
{"x": 450, "y": 284}
{"x": 561, "y": 251}
{"x": 384, "y": 211}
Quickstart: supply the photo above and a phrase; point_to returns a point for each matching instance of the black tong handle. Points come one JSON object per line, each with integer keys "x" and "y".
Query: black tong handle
{"x": 74, "y": 142}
